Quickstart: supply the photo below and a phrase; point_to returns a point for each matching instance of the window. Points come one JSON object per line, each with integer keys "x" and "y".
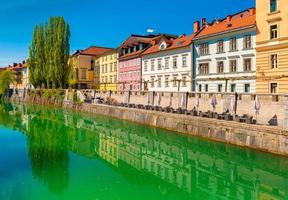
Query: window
{"x": 206, "y": 88}
{"x": 247, "y": 42}
{"x": 220, "y": 67}
{"x": 273, "y": 6}
{"x": 220, "y": 46}
{"x": 220, "y": 87}
{"x": 233, "y": 87}
{"x": 145, "y": 66}
{"x": 233, "y": 66}
{"x": 111, "y": 67}
{"x": 152, "y": 82}
{"x": 204, "y": 49}
{"x": 152, "y": 65}
{"x": 184, "y": 81}
{"x": 199, "y": 88}
{"x": 159, "y": 82}
{"x": 247, "y": 88}
{"x": 159, "y": 64}
{"x": 184, "y": 61}
{"x": 166, "y": 81}
{"x": 247, "y": 65}
{"x": 273, "y": 87}
{"x": 274, "y": 31}
{"x": 233, "y": 44}
{"x": 204, "y": 68}
{"x": 274, "y": 61}
{"x": 174, "y": 62}
{"x": 166, "y": 63}
{"x": 174, "y": 81}
{"x": 84, "y": 74}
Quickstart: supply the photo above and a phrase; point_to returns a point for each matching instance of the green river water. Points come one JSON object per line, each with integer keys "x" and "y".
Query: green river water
{"x": 54, "y": 154}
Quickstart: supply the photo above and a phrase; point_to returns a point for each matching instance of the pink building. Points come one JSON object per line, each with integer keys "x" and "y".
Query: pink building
{"x": 129, "y": 68}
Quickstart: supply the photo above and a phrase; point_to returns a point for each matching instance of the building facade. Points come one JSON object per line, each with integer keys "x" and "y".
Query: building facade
{"x": 83, "y": 63}
{"x": 167, "y": 64}
{"x": 130, "y": 64}
{"x": 225, "y": 55}
{"x": 108, "y": 64}
{"x": 272, "y": 46}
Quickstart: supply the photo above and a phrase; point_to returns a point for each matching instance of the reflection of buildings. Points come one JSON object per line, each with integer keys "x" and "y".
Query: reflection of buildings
{"x": 108, "y": 148}
{"x": 203, "y": 169}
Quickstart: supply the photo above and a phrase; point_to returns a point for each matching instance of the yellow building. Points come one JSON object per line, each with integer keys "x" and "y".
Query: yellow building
{"x": 272, "y": 46}
{"x": 83, "y": 63}
{"x": 107, "y": 65}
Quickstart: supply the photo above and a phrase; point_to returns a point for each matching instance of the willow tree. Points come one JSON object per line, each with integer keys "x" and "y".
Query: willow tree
{"x": 49, "y": 54}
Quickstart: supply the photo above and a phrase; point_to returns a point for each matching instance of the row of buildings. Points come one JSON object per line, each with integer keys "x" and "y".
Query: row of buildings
{"x": 245, "y": 52}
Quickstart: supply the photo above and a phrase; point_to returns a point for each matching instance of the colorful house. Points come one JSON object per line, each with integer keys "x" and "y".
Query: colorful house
{"x": 167, "y": 64}
{"x": 108, "y": 64}
{"x": 272, "y": 46}
{"x": 129, "y": 68}
{"x": 83, "y": 63}
{"x": 225, "y": 55}
{"x": 21, "y": 75}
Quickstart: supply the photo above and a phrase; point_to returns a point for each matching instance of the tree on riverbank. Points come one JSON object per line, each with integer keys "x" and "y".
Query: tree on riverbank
{"x": 7, "y": 77}
{"x": 49, "y": 54}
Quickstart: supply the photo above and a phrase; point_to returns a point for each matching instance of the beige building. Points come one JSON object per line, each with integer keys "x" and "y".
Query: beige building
{"x": 272, "y": 46}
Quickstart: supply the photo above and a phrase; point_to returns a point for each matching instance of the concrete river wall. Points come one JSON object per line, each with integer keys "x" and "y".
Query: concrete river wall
{"x": 260, "y": 137}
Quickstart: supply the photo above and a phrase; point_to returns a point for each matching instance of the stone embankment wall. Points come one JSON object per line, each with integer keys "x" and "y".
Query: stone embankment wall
{"x": 260, "y": 137}
{"x": 273, "y": 108}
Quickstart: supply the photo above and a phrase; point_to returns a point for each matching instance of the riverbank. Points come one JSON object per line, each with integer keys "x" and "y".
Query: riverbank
{"x": 272, "y": 139}
{"x": 264, "y": 138}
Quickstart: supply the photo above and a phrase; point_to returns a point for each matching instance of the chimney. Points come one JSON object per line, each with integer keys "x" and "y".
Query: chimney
{"x": 196, "y": 26}
{"x": 203, "y": 22}
{"x": 229, "y": 17}
{"x": 252, "y": 11}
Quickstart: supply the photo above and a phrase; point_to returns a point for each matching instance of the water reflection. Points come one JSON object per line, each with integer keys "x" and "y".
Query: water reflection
{"x": 190, "y": 166}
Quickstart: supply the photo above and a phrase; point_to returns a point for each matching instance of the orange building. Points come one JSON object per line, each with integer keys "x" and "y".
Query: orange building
{"x": 83, "y": 63}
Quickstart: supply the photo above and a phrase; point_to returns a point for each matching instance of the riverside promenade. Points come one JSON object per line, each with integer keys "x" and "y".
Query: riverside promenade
{"x": 266, "y": 131}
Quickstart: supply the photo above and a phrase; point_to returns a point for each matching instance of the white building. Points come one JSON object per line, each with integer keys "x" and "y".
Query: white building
{"x": 167, "y": 64}
{"x": 225, "y": 55}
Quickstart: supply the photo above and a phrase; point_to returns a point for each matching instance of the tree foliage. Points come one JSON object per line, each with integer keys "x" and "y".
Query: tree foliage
{"x": 49, "y": 54}
{"x": 7, "y": 77}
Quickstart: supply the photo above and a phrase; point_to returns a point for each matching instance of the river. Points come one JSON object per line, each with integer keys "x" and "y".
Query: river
{"x": 55, "y": 154}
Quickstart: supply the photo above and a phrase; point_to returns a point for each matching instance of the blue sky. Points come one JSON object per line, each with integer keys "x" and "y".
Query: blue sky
{"x": 103, "y": 22}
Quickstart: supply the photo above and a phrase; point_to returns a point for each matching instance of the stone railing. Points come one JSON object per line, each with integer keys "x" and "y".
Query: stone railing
{"x": 273, "y": 108}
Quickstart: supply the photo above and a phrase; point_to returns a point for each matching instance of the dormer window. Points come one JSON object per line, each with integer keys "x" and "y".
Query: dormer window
{"x": 135, "y": 48}
{"x": 162, "y": 46}
{"x": 141, "y": 46}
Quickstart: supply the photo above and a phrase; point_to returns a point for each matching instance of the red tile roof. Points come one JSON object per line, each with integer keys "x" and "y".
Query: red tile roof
{"x": 93, "y": 51}
{"x": 135, "y": 40}
{"x": 240, "y": 20}
{"x": 172, "y": 43}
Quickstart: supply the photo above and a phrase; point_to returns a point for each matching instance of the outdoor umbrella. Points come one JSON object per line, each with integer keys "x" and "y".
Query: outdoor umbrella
{"x": 197, "y": 102}
{"x": 233, "y": 105}
{"x": 213, "y": 102}
{"x": 170, "y": 100}
{"x": 159, "y": 98}
{"x": 256, "y": 106}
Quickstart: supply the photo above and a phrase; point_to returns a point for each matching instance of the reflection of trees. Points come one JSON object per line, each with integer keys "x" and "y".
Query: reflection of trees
{"x": 48, "y": 151}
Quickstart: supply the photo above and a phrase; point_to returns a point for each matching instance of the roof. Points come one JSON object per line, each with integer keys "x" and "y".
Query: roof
{"x": 172, "y": 43}
{"x": 93, "y": 51}
{"x": 237, "y": 21}
{"x": 135, "y": 40}
{"x": 18, "y": 66}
